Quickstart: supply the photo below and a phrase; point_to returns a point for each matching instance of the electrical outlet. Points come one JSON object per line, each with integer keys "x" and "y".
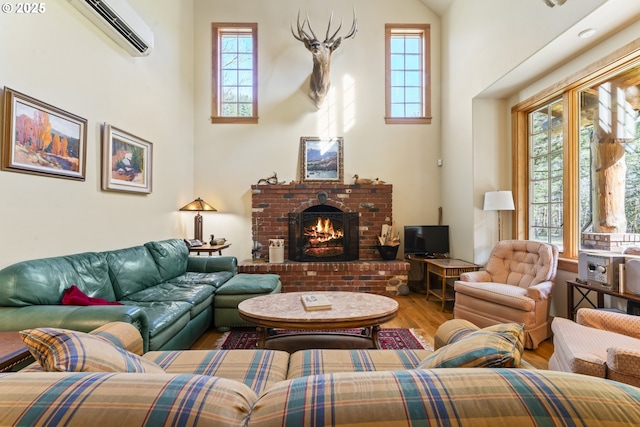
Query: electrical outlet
{"x": 439, "y": 162}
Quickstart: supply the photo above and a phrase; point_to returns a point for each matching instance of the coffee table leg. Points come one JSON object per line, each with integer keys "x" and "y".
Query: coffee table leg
{"x": 374, "y": 335}
{"x": 263, "y": 336}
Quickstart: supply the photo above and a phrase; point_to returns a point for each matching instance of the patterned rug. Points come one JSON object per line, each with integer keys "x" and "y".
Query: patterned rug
{"x": 388, "y": 338}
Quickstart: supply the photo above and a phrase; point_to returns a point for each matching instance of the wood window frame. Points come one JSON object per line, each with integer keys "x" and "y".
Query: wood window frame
{"x": 216, "y": 29}
{"x": 568, "y": 89}
{"x": 424, "y": 30}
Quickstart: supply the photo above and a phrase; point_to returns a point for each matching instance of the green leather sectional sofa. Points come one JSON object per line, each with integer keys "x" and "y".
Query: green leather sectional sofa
{"x": 169, "y": 296}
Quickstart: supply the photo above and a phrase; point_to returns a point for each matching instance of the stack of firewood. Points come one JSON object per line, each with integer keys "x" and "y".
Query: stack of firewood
{"x": 388, "y": 236}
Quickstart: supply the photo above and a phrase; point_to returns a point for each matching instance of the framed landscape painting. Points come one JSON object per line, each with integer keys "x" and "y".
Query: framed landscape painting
{"x": 321, "y": 159}
{"x": 126, "y": 161}
{"x": 41, "y": 139}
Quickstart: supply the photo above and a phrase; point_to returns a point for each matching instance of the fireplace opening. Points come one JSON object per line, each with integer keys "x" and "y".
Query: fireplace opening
{"x": 323, "y": 233}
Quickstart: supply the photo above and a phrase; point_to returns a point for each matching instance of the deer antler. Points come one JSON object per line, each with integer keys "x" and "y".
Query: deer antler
{"x": 302, "y": 34}
{"x": 352, "y": 32}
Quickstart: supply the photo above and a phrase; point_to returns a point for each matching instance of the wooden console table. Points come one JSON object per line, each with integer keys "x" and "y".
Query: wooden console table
{"x": 13, "y": 353}
{"x": 207, "y": 248}
{"x": 584, "y": 290}
{"x": 444, "y": 268}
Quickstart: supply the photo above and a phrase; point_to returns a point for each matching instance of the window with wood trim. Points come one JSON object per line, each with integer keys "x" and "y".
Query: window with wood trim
{"x": 577, "y": 160}
{"x": 408, "y": 79}
{"x": 546, "y": 181}
{"x": 234, "y": 73}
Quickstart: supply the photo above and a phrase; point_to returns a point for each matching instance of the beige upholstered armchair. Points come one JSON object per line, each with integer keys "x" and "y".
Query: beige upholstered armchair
{"x": 599, "y": 343}
{"x": 515, "y": 286}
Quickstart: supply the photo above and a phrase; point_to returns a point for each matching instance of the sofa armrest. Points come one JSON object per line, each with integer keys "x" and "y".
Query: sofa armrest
{"x": 77, "y": 318}
{"x": 123, "y": 335}
{"x": 540, "y": 291}
{"x": 624, "y": 362}
{"x": 475, "y": 276}
{"x": 620, "y": 323}
{"x": 212, "y": 264}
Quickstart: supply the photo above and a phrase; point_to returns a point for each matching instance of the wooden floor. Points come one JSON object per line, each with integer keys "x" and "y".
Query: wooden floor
{"x": 423, "y": 317}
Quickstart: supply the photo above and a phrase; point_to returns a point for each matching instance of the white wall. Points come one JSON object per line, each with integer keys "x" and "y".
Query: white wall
{"x": 480, "y": 46}
{"x": 230, "y": 157}
{"x": 61, "y": 58}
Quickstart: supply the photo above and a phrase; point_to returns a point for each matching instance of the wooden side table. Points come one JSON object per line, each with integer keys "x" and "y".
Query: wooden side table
{"x": 445, "y": 268}
{"x": 584, "y": 290}
{"x": 14, "y": 355}
{"x": 210, "y": 249}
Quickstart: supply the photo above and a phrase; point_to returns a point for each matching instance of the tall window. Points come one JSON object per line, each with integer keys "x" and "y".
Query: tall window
{"x": 546, "y": 143}
{"x": 407, "y": 74}
{"x": 235, "y": 70}
{"x": 577, "y": 159}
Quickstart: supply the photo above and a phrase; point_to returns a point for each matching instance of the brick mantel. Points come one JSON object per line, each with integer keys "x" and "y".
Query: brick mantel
{"x": 271, "y": 204}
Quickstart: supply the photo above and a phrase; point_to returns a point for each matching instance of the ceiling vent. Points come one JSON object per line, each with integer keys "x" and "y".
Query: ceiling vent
{"x": 120, "y": 22}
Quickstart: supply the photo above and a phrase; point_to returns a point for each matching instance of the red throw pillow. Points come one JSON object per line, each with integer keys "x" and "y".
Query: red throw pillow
{"x": 74, "y": 296}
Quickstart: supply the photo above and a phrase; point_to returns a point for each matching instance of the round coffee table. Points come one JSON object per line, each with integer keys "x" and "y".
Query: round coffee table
{"x": 348, "y": 310}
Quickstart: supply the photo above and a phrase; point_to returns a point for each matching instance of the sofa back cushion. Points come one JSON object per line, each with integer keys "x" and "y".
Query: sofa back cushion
{"x": 132, "y": 270}
{"x": 122, "y": 399}
{"x": 170, "y": 256}
{"x": 522, "y": 263}
{"x": 448, "y": 396}
{"x": 43, "y": 281}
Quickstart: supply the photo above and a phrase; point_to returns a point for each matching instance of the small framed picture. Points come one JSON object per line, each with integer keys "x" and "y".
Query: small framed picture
{"x": 321, "y": 159}
{"x": 126, "y": 161}
{"x": 42, "y": 139}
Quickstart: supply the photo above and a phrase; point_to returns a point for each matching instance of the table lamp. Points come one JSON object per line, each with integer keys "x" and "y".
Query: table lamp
{"x": 198, "y": 205}
{"x": 498, "y": 201}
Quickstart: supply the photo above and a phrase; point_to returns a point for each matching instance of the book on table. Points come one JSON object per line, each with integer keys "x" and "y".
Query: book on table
{"x": 315, "y": 302}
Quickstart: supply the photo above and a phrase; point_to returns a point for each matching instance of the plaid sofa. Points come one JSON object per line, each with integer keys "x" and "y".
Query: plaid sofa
{"x": 310, "y": 387}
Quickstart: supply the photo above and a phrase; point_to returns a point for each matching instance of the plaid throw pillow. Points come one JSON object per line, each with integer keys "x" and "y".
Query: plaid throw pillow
{"x": 61, "y": 350}
{"x": 498, "y": 346}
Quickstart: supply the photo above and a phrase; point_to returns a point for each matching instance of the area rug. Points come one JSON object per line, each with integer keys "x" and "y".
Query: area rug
{"x": 388, "y": 338}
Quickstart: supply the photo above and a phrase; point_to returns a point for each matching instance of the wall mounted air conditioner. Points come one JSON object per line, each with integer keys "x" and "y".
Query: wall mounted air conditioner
{"x": 120, "y": 22}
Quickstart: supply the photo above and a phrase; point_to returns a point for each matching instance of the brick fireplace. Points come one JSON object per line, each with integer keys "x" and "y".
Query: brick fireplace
{"x": 271, "y": 206}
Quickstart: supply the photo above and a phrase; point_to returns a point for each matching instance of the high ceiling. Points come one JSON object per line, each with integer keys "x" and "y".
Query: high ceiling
{"x": 438, "y": 6}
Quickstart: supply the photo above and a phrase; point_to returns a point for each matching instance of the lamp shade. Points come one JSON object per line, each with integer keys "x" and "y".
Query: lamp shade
{"x": 198, "y": 205}
{"x": 498, "y": 201}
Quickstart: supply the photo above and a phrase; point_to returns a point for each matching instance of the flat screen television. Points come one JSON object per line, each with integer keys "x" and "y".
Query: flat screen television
{"x": 426, "y": 240}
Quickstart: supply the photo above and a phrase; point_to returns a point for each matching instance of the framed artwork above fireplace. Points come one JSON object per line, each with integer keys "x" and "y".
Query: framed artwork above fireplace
{"x": 321, "y": 159}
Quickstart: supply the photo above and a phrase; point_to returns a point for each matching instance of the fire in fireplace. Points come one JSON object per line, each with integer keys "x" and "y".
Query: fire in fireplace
{"x": 322, "y": 239}
{"x": 323, "y": 233}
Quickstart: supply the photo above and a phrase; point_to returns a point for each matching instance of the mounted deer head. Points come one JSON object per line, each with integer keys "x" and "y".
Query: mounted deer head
{"x": 321, "y": 54}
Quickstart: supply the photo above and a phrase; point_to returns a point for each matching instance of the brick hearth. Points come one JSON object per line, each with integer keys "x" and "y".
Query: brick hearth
{"x": 270, "y": 206}
{"x": 355, "y": 276}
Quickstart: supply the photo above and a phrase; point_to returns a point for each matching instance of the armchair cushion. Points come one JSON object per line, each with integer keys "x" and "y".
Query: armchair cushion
{"x": 61, "y": 350}
{"x": 498, "y": 293}
{"x": 521, "y": 262}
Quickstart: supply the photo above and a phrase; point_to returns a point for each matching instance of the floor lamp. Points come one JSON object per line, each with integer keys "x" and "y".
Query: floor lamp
{"x": 198, "y": 205}
{"x": 498, "y": 201}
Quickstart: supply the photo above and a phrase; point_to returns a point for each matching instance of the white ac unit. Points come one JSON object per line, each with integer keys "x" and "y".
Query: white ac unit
{"x": 120, "y": 22}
